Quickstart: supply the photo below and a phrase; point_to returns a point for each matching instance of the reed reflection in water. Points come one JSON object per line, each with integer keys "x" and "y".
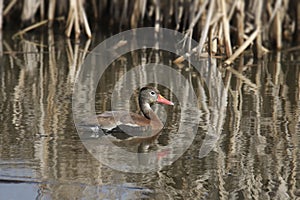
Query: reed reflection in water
{"x": 257, "y": 155}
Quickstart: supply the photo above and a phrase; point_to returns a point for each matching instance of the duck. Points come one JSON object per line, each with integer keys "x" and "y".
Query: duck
{"x": 124, "y": 124}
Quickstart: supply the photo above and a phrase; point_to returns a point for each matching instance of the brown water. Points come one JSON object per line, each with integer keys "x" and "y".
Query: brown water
{"x": 42, "y": 156}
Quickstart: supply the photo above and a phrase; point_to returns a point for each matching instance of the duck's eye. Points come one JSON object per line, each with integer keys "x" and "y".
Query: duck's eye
{"x": 152, "y": 93}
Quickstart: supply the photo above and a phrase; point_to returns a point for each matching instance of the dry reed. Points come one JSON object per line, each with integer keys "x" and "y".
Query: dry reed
{"x": 220, "y": 24}
{"x": 1, "y": 13}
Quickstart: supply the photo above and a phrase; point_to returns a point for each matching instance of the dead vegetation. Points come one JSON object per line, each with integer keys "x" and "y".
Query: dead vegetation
{"x": 222, "y": 27}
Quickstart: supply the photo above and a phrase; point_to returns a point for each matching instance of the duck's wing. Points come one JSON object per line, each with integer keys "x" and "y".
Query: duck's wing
{"x": 112, "y": 119}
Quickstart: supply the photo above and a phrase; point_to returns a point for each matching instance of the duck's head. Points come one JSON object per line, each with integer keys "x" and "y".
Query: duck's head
{"x": 150, "y": 95}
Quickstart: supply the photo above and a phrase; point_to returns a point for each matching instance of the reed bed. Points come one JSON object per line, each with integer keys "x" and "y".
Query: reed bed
{"x": 223, "y": 27}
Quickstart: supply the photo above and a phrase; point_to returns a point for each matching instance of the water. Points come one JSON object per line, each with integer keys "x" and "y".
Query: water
{"x": 42, "y": 156}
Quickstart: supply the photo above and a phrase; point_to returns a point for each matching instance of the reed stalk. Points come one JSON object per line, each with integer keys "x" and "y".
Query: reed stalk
{"x": 9, "y": 7}
{"x": 30, "y": 8}
{"x": 226, "y": 30}
{"x": 258, "y": 23}
{"x": 240, "y": 17}
{"x": 242, "y": 48}
{"x": 1, "y": 14}
{"x": 51, "y": 12}
{"x": 1, "y": 22}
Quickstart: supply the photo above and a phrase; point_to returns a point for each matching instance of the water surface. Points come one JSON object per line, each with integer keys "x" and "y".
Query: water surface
{"x": 42, "y": 156}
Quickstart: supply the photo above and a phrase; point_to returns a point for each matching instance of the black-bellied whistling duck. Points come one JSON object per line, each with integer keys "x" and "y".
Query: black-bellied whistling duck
{"x": 132, "y": 123}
